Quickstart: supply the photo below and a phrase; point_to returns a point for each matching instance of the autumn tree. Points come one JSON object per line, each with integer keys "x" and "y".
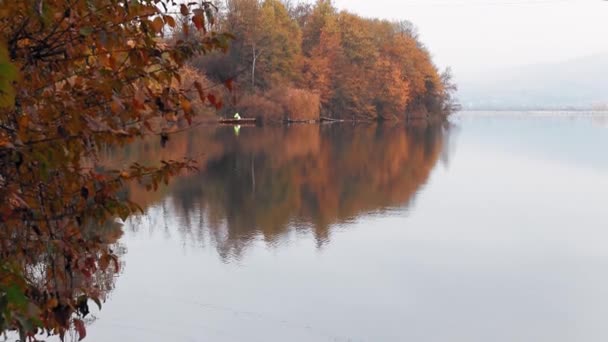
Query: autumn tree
{"x": 243, "y": 18}
{"x": 323, "y": 40}
{"x": 392, "y": 90}
{"x": 360, "y": 69}
{"x": 76, "y": 77}
{"x": 313, "y": 24}
{"x": 267, "y": 47}
{"x": 281, "y": 57}
{"x": 369, "y": 69}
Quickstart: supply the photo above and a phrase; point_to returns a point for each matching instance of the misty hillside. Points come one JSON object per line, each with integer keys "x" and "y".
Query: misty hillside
{"x": 576, "y": 84}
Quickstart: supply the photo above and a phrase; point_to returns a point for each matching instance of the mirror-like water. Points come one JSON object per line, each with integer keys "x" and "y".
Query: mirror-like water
{"x": 493, "y": 230}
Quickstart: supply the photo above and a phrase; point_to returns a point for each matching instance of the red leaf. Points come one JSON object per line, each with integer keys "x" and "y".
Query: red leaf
{"x": 228, "y": 84}
{"x": 86, "y": 273}
{"x": 211, "y": 99}
{"x": 116, "y": 263}
{"x": 80, "y": 329}
{"x": 198, "y": 21}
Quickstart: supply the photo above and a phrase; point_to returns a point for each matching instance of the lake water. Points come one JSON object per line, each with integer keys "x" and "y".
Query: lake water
{"x": 493, "y": 229}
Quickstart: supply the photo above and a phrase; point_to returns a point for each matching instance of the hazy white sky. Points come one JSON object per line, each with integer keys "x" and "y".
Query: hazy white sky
{"x": 477, "y": 35}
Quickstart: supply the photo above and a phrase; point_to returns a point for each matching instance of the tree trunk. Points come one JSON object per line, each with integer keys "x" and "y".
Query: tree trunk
{"x": 255, "y": 57}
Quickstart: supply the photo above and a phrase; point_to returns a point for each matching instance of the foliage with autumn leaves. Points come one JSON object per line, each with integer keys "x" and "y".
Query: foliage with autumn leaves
{"x": 81, "y": 76}
{"x": 345, "y": 66}
{"x": 76, "y": 77}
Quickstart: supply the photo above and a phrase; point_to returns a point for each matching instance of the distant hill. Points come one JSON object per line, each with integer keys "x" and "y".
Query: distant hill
{"x": 575, "y": 84}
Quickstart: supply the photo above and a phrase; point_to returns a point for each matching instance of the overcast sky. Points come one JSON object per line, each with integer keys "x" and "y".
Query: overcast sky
{"x": 477, "y": 35}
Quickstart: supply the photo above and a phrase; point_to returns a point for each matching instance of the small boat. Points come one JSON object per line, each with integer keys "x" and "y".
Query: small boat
{"x": 240, "y": 121}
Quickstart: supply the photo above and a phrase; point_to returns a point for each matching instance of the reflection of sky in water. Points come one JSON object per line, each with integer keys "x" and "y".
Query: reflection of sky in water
{"x": 508, "y": 243}
{"x": 570, "y": 139}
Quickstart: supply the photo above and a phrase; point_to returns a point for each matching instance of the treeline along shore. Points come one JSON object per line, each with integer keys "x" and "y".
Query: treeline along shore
{"x": 310, "y": 62}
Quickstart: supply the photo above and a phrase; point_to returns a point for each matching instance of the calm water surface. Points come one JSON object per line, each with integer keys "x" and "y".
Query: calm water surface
{"x": 493, "y": 230}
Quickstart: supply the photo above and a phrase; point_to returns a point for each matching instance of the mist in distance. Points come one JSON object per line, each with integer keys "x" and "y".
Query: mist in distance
{"x": 511, "y": 54}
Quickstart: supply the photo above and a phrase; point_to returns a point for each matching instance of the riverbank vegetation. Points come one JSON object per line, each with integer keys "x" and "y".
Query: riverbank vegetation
{"x": 305, "y": 62}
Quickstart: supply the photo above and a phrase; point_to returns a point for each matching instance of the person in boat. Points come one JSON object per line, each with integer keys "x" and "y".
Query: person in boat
{"x": 237, "y": 116}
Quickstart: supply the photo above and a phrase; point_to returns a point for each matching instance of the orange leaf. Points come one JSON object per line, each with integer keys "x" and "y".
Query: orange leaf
{"x": 24, "y": 121}
{"x": 169, "y": 20}
{"x": 5, "y": 143}
{"x": 104, "y": 59}
{"x": 104, "y": 262}
{"x": 52, "y": 303}
{"x": 186, "y": 105}
{"x": 157, "y": 24}
{"x": 116, "y": 105}
{"x": 184, "y": 9}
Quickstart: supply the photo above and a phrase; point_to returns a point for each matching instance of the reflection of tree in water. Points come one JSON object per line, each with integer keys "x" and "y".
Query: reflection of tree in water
{"x": 269, "y": 182}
